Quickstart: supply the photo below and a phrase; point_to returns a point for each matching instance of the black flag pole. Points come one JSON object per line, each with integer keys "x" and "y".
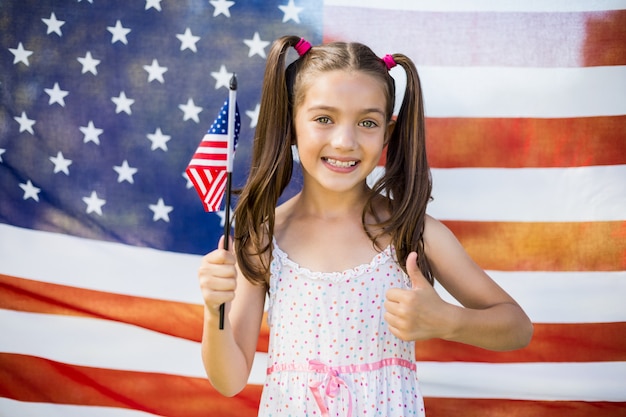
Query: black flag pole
{"x": 232, "y": 100}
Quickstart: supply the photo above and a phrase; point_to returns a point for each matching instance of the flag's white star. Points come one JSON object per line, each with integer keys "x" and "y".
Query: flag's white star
{"x": 2, "y": 151}
{"x": 161, "y": 211}
{"x": 187, "y": 40}
{"x": 153, "y": 3}
{"x": 125, "y": 172}
{"x": 56, "y": 95}
{"x": 188, "y": 185}
{"x": 190, "y": 111}
{"x": 122, "y": 103}
{"x": 118, "y": 33}
{"x": 254, "y": 115}
{"x": 30, "y": 191}
{"x": 20, "y": 54}
{"x": 221, "y": 7}
{"x": 53, "y": 24}
{"x": 256, "y": 45}
{"x": 89, "y": 63}
{"x": 91, "y": 133}
{"x": 94, "y": 204}
{"x": 90, "y": 1}
{"x": 222, "y": 78}
{"x": 158, "y": 139}
{"x": 291, "y": 12}
{"x": 60, "y": 163}
{"x": 26, "y": 124}
{"x": 155, "y": 72}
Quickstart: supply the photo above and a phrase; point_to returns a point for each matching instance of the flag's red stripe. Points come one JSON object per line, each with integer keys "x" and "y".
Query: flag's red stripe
{"x": 169, "y": 317}
{"x": 472, "y": 407}
{"x": 515, "y": 39}
{"x": 215, "y": 195}
{"x": 214, "y": 144}
{"x": 212, "y": 180}
{"x": 27, "y": 378}
{"x": 549, "y": 246}
{"x": 192, "y": 173}
{"x": 525, "y": 142}
{"x": 586, "y": 342}
{"x": 208, "y": 156}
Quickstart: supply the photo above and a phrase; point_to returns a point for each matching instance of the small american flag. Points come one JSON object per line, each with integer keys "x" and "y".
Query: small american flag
{"x": 207, "y": 169}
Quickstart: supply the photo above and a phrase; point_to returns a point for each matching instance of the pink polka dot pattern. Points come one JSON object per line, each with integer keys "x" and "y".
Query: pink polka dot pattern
{"x": 337, "y": 319}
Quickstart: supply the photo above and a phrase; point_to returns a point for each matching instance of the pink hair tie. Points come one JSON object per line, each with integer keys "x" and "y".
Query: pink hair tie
{"x": 389, "y": 61}
{"x": 302, "y": 47}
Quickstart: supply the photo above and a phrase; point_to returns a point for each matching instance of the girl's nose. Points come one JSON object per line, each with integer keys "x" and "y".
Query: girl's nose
{"x": 344, "y": 138}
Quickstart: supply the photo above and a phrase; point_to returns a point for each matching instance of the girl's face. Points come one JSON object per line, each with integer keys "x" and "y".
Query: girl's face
{"x": 341, "y": 129}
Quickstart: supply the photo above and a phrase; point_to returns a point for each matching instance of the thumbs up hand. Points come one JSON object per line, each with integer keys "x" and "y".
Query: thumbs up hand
{"x": 417, "y": 313}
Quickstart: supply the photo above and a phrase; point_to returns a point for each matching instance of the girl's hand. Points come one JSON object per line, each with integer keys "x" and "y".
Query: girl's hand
{"x": 218, "y": 278}
{"x": 417, "y": 313}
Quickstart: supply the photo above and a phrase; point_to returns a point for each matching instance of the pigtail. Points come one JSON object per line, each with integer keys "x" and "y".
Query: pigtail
{"x": 270, "y": 171}
{"x": 407, "y": 178}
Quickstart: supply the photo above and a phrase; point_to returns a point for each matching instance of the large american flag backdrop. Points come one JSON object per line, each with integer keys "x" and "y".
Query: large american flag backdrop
{"x": 104, "y": 102}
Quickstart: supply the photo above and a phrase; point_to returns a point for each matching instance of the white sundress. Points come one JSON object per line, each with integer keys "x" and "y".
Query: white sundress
{"x": 330, "y": 350}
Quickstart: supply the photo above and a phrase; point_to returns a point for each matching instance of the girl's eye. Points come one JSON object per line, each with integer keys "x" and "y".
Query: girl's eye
{"x": 323, "y": 119}
{"x": 369, "y": 123}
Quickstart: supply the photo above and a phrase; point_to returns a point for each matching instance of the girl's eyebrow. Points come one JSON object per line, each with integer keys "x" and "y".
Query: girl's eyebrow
{"x": 331, "y": 108}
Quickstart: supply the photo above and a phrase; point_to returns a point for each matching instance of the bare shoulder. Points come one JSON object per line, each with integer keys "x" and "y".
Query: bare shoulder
{"x": 436, "y": 233}
{"x": 454, "y": 268}
{"x": 443, "y": 248}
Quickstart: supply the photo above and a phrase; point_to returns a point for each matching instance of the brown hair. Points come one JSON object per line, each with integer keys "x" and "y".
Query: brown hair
{"x": 406, "y": 180}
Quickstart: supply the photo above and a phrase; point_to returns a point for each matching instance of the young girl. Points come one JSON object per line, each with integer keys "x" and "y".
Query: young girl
{"x": 348, "y": 269}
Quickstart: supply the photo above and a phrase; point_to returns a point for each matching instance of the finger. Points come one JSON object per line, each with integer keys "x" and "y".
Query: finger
{"x": 214, "y": 298}
{"x": 219, "y": 284}
{"x": 216, "y": 290}
{"x": 219, "y": 256}
{"x": 394, "y": 296}
{"x": 417, "y": 278}
{"x": 220, "y": 244}
{"x": 390, "y": 306}
{"x": 397, "y": 326}
{"x": 218, "y": 270}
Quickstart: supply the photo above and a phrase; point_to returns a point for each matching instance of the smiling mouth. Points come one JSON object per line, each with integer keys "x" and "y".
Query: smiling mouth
{"x": 340, "y": 164}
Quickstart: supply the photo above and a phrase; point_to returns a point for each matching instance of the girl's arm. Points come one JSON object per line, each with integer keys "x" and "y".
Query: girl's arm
{"x": 228, "y": 354}
{"x": 489, "y": 318}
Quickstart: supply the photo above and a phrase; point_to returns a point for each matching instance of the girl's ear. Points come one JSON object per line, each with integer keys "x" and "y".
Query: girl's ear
{"x": 390, "y": 126}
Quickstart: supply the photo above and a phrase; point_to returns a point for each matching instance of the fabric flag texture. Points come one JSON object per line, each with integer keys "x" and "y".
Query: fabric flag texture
{"x": 101, "y": 234}
{"x": 208, "y": 167}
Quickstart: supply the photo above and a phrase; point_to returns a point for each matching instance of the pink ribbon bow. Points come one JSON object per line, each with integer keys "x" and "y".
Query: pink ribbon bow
{"x": 333, "y": 385}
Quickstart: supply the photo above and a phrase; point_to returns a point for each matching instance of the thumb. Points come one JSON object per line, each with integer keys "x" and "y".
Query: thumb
{"x": 417, "y": 278}
{"x": 223, "y": 244}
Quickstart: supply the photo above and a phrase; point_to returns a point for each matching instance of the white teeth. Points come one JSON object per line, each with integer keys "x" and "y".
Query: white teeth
{"x": 341, "y": 164}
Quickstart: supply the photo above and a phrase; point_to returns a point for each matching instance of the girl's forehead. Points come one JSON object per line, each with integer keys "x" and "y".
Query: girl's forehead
{"x": 340, "y": 75}
{"x": 341, "y": 82}
{"x": 343, "y": 92}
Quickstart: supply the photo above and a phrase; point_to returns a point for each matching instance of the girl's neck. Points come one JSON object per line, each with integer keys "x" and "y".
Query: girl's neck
{"x": 331, "y": 205}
